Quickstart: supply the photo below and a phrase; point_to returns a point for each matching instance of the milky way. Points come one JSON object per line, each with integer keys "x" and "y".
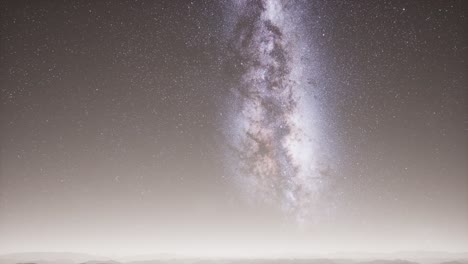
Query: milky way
{"x": 274, "y": 129}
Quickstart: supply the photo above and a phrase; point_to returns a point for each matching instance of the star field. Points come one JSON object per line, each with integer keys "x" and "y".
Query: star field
{"x": 131, "y": 116}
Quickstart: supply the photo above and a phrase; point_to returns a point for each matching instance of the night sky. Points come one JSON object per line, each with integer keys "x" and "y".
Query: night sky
{"x": 233, "y": 127}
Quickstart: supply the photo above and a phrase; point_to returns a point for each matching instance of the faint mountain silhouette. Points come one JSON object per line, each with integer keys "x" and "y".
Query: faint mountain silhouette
{"x": 49, "y": 257}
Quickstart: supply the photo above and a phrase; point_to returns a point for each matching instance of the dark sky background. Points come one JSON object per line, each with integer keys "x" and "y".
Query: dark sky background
{"x": 112, "y": 129}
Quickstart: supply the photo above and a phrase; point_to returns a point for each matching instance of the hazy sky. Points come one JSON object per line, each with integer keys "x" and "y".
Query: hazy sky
{"x": 233, "y": 127}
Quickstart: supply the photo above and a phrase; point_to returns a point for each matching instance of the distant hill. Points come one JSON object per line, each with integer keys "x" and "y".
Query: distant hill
{"x": 49, "y": 257}
{"x": 146, "y": 257}
{"x": 412, "y": 256}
